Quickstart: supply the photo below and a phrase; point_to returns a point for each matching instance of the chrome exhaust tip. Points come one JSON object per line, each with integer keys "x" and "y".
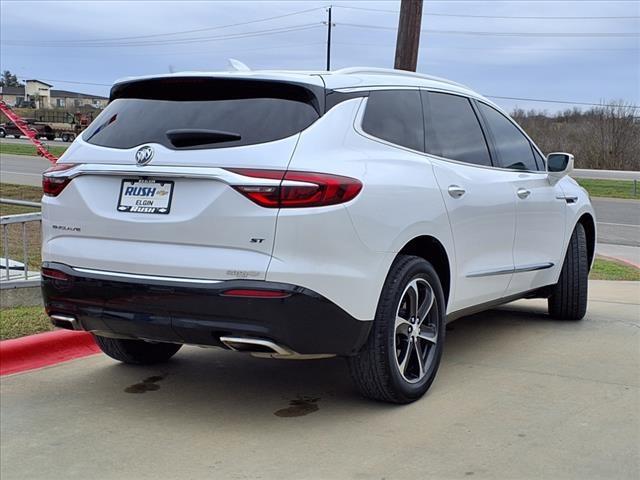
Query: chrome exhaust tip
{"x": 67, "y": 322}
{"x": 255, "y": 345}
{"x": 260, "y": 348}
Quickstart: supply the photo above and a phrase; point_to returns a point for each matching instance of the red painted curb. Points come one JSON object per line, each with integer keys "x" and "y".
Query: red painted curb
{"x": 43, "y": 349}
{"x": 619, "y": 260}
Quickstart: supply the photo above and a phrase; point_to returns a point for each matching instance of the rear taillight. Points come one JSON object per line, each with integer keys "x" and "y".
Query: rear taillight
{"x": 54, "y": 274}
{"x": 298, "y": 189}
{"x": 52, "y": 186}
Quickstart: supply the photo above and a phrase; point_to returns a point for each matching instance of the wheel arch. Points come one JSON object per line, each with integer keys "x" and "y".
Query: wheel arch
{"x": 433, "y": 251}
{"x": 588, "y": 223}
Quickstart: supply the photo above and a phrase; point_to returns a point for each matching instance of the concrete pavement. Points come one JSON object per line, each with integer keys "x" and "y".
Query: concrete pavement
{"x": 518, "y": 396}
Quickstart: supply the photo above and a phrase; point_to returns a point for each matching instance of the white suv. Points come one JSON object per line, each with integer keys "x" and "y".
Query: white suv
{"x": 305, "y": 215}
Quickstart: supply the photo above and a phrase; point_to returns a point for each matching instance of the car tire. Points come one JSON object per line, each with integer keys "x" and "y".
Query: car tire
{"x": 51, "y": 137}
{"x": 65, "y": 137}
{"x": 394, "y": 341}
{"x": 16, "y": 136}
{"x": 568, "y": 300}
{"x": 2, "y": 133}
{"x": 137, "y": 352}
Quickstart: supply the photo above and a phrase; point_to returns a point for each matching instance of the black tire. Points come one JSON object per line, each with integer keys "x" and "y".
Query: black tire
{"x": 375, "y": 369}
{"x": 65, "y": 137}
{"x": 51, "y": 137}
{"x": 3, "y": 133}
{"x": 16, "y": 136}
{"x": 568, "y": 300}
{"x": 137, "y": 352}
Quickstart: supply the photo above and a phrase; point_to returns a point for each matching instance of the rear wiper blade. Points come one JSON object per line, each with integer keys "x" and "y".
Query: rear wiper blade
{"x": 187, "y": 137}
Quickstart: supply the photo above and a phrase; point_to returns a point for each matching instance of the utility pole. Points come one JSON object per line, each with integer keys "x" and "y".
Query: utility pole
{"x": 329, "y": 40}
{"x": 408, "y": 39}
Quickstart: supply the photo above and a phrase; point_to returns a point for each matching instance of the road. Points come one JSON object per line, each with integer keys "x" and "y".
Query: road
{"x": 26, "y": 141}
{"x": 618, "y": 220}
{"x": 518, "y": 396}
{"x": 606, "y": 174}
{"x": 22, "y": 169}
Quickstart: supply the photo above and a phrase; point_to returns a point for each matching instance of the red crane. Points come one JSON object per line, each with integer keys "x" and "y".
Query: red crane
{"x": 31, "y": 134}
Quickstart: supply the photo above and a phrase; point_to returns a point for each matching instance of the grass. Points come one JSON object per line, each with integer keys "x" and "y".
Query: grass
{"x": 21, "y": 321}
{"x": 14, "y": 231}
{"x": 26, "y": 149}
{"x": 612, "y": 270}
{"x": 610, "y": 188}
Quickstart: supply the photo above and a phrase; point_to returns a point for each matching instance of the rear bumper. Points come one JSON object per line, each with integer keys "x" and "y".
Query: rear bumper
{"x": 199, "y": 313}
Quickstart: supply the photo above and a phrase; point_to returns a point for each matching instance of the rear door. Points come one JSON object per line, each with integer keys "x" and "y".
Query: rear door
{"x": 479, "y": 200}
{"x": 154, "y": 192}
{"x": 541, "y": 208}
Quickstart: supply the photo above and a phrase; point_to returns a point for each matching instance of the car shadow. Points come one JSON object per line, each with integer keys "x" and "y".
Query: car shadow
{"x": 200, "y": 382}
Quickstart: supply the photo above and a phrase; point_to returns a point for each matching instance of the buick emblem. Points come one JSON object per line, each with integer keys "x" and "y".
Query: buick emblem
{"x": 144, "y": 156}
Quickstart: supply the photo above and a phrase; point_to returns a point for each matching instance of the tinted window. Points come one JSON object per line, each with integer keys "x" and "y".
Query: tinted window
{"x": 205, "y": 113}
{"x": 395, "y": 116}
{"x": 453, "y": 130}
{"x": 514, "y": 149}
{"x": 539, "y": 159}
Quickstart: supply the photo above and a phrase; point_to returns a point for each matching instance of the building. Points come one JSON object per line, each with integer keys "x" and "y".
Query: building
{"x": 38, "y": 94}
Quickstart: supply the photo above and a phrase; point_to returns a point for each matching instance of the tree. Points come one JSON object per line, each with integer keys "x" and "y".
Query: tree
{"x": 8, "y": 79}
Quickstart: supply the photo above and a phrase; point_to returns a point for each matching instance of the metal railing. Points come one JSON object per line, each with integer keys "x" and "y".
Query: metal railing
{"x": 11, "y": 269}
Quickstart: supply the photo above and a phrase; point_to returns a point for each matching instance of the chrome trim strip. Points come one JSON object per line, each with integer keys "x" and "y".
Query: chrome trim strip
{"x": 567, "y": 198}
{"x": 168, "y": 171}
{"x": 505, "y": 271}
{"x": 138, "y": 276}
{"x": 533, "y": 267}
{"x": 487, "y": 273}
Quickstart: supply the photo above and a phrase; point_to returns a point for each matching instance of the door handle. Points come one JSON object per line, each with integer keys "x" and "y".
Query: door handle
{"x": 523, "y": 192}
{"x": 455, "y": 191}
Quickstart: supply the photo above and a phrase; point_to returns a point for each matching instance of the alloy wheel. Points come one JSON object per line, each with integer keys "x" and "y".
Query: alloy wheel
{"x": 416, "y": 330}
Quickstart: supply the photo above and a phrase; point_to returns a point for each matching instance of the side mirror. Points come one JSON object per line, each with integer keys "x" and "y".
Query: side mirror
{"x": 559, "y": 165}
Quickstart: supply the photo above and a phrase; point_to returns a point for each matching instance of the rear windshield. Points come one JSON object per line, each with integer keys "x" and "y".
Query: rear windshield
{"x": 188, "y": 113}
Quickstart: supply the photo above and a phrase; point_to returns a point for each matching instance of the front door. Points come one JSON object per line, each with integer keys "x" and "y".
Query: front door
{"x": 540, "y": 206}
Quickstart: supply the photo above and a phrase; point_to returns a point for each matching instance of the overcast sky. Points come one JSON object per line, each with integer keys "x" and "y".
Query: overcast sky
{"x": 579, "y": 59}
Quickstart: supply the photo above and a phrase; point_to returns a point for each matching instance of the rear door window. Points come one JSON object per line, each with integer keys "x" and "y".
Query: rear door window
{"x": 453, "y": 130}
{"x": 188, "y": 113}
{"x": 513, "y": 148}
{"x": 395, "y": 116}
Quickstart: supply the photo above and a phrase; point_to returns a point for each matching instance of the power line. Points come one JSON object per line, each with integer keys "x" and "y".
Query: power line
{"x": 233, "y": 36}
{"x": 559, "y": 101}
{"x": 183, "y": 32}
{"x": 565, "y": 102}
{"x": 211, "y": 53}
{"x": 510, "y": 17}
{"x": 506, "y": 34}
{"x": 514, "y": 48}
{"x": 28, "y": 77}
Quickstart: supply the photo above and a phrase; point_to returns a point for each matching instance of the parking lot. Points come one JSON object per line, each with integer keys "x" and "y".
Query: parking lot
{"x": 518, "y": 396}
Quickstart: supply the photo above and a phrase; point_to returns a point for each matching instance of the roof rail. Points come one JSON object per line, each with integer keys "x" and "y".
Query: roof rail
{"x": 392, "y": 71}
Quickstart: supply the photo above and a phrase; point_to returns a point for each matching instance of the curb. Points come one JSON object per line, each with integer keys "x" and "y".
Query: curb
{"x": 619, "y": 260}
{"x": 44, "y": 349}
